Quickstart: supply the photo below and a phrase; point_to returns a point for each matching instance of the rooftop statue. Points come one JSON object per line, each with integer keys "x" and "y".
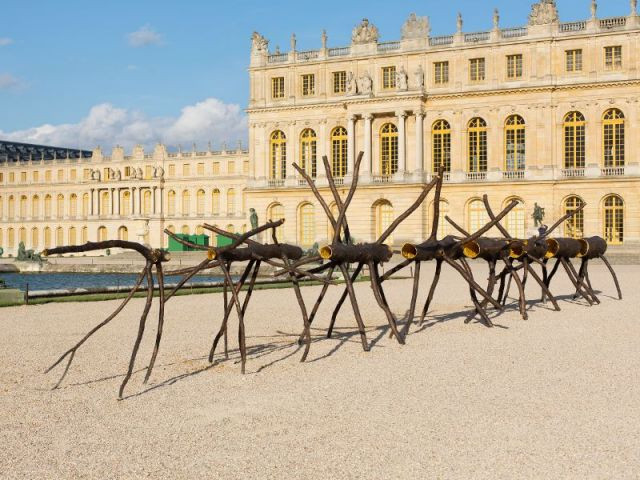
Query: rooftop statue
{"x": 544, "y": 12}
{"x": 415, "y": 27}
{"x": 259, "y": 44}
{"x": 364, "y": 33}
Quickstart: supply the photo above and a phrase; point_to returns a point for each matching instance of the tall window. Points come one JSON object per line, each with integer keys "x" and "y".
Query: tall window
{"x": 514, "y": 143}
{"x": 308, "y": 151}
{"x": 339, "y": 82}
{"x": 278, "y": 155}
{"x": 231, "y": 201}
{"x": 35, "y": 238}
{"x": 477, "y": 147}
{"x": 573, "y": 60}
{"x": 2, "y": 211}
{"x": 613, "y": 58}
{"x": 104, "y": 203}
{"x": 84, "y": 236}
{"x": 339, "y": 152}
{"x": 215, "y": 201}
{"x": 306, "y": 224}
{"x": 476, "y": 69}
{"x": 477, "y": 216}
{"x": 388, "y": 149}
{"x": 60, "y": 206}
{"x": 22, "y": 235}
{"x": 186, "y": 202}
{"x": 613, "y": 220}
{"x": 12, "y": 207}
{"x": 574, "y": 140}
{"x": 11, "y": 238}
{"x": 123, "y": 233}
{"x": 514, "y": 66}
{"x": 441, "y": 139}
{"x": 384, "y": 218}
{"x": 200, "y": 202}
{"x": 59, "y": 237}
{"x": 72, "y": 235}
{"x": 388, "y": 78}
{"x": 47, "y": 206}
{"x": 125, "y": 204}
{"x": 23, "y": 206}
{"x": 85, "y": 204}
{"x": 441, "y": 73}
{"x": 200, "y": 169}
{"x": 574, "y": 226}
{"x": 275, "y": 213}
{"x": 308, "y": 84}
{"x": 444, "y": 228}
{"x": 73, "y": 205}
{"x": 35, "y": 206}
{"x": 186, "y": 170}
{"x": 277, "y": 87}
{"x": 613, "y": 138}
{"x": 146, "y": 202}
{"x": 171, "y": 203}
{"x": 47, "y": 237}
{"x": 514, "y": 222}
{"x": 102, "y": 234}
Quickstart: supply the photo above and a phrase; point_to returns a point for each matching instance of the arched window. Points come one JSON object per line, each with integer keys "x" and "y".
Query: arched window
{"x": 574, "y": 226}
{"x": 199, "y": 230}
{"x": 12, "y": 207}
{"x": 85, "y": 204}
{"x": 614, "y": 220}
{"x": 383, "y": 218}
{"x": 306, "y": 225}
{"x": 84, "y": 235}
{"x": 477, "y": 216}
{"x": 171, "y": 228}
{"x": 105, "y": 206}
{"x": 477, "y": 145}
{"x": 72, "y": 235}
{"x": 185, "y": 229}
{"x": 215, "y": 201}
{"x": 73, "y": 205}
{"x": 59, "y": 237}
{"x": 11, "y": 238}
{"x": 186, "y": 202}
{"x": 339, "y": 152}
{"x": 123, "y": 233}
{"x": 278, "y": 155}
{"x": 47, "y": 206}
{"x": 171, "y": 203}
{"x": 146, "y": 202}
{"x": 274, "y": 213}
{"x": 23, "y": 206}
{"x": 514, "y": 143}
{"x": 35, "y": 238}
{"x": 102, "y": 234}
{"x": 574, "y": 140}
{"x": 388, "y": 149}
{"x": 231, "y": 201}
{"x": 441, "y": 139}
{"x": 613, "y": 138}
{"x": 35, "y": 206}
{"x": 514, "y": 222}
{"x": 47, "y": 237}
{"x": 60, "y": 206}
{"x": 308, "y": 149}
{"x": 22, "y": 235}
{"x": 230, "y": 228}
{"x": 200, "y": 202}
{"x": 125, "y": 204}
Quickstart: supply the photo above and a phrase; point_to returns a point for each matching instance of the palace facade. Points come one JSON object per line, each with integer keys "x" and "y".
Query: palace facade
{"x": 547, "y": 113}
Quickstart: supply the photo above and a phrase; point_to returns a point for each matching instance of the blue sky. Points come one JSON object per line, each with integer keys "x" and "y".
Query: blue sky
{"x": 108, "y": 72}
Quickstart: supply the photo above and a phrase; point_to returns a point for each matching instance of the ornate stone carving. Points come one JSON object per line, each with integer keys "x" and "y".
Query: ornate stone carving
{"x": 415, "y": 27}
{"x": 544, "y": 12}
{"x": 259, "y": 44}
{"x": 459, "y": 22}
{"x": 594, "y": 8}
{"x": 496, "y": 19}
{"x": 293, "y": 42}
{"x": 401, "y": 79}
{"x": 95, "y": 175}
{"x": 365, "y": 84}
{"x": 418, "y": 78}
{"x": 352, "y": 86}
{"x": 324, "y": 39}
{"x": 364, "y": 33}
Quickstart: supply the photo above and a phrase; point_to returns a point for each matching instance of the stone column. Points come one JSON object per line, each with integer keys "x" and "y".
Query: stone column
{"x": 112, "y": 201}
{"x": 419, "y": 142}
{"x": 402, "y": 142}
{"x": 351, "y": 141}
{"x": 154, "y": 199}
{"x": 366, "y": 161}
{"x": 117, "y": 202}
{"x": 91, "y": 202}
{"x": 134, "y": 201}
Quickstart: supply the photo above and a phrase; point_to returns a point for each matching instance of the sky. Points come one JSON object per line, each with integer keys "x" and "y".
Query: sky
{"x": 83, "y": 73}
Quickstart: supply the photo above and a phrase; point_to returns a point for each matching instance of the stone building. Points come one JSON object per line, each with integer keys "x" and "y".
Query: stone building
{"x": 546, "y": 113}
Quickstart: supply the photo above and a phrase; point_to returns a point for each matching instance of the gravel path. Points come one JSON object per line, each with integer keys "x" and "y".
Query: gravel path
{"x": 557, "y": 396}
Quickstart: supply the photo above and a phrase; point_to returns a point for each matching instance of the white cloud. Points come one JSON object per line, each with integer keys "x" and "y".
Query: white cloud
{"x": 144, "y": 37}
{"x": 107, "y": 125}
{"x": 4, "y": 41}
{"x": 8, "y": 81}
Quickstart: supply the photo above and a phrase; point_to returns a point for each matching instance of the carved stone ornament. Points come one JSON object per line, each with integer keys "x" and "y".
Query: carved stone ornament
{"x": 415, "y": 27}
{"x": 544, "y": 12}
{"x": 365, "y": 84}
{"x": 364, "y": 33}
{"x": 259, "y": 44}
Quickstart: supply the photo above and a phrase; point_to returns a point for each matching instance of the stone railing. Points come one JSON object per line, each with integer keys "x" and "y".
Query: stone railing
{"x": 278, "y": 58}
{"x": 381, "y": 178}
{"x": 302, "y": 182}
{"x": 612, "y": 171}
{"x": 338, "y": 180}
{"x": 476, "y": 176}
{"x": 513, "y": 174}
{"x": 572, "y": 172}
{"x": 476, "y": 37}
{"x": 388, "y": 47}
{"x": 613, "y": 23}
{"x": 443, "y": 40}
{"x": 308, "y": 55}
{"x": 275, "y": 182}
{"x": 514, "y": 32}
{"x": 339, "y": 52}
{"x": 573, "y": 27}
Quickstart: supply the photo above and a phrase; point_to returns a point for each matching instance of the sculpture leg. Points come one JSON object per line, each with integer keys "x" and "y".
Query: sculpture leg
{"x": 236, "y": 301}
{"x": 156, "y": 347}
{"x": 375, "y": 286}
{"x": 544, "y": 278}
{"x": 613, "y": 274}
{"x": 226, "y": 307}
{"x": 343, "y": 297}
{"x": 303, "y": 310}
{"x": 544, "y": 288}
{"x": 581, "y": 275}
{"x": 432, "y": 290}
{"x": 580, "y": 281}
{"x": 471, "y": 281}
{"x": 573, "y": 280}
{"x": 478, "y": 307}
{"x": 414, "y": 298}
{"x": 316, "y": 306}
{"x": 356, "y": 310}
{"x": 490, "y": 286}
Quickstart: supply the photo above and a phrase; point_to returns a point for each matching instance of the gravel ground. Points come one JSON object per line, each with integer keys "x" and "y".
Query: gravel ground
{"x": 556, "y": 396}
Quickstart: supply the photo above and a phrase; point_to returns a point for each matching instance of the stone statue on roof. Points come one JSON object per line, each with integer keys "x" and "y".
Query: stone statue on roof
{"x": 415, "y": 27}
{"x": 364, "y": 33}
{"x": 259, "y": 44}
{"x": 544, "y": 12}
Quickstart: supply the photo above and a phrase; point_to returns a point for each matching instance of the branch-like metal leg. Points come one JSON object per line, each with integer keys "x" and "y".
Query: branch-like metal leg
{"x": 414, "y": 298}
{"x": 343, "y": 297}
{"x": 432, "y": 290}
{"x": 375, "y": 286}
{"x": 316, "y": 306}
{"x": 490, "y": 286}
{"x": 613, "y": 274}
{"x": 576, "y": 285}
{"x": 156, "y": 347}
{"x": 544, "y": 288}
{"x": 226, "y": 306}
{"x": 478, "y": 307}
{"x": 303, "y": 310}
{"x": 581, "y": 282}
{"x": 236, "y": 301}
{"x": 356, "y": 310}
